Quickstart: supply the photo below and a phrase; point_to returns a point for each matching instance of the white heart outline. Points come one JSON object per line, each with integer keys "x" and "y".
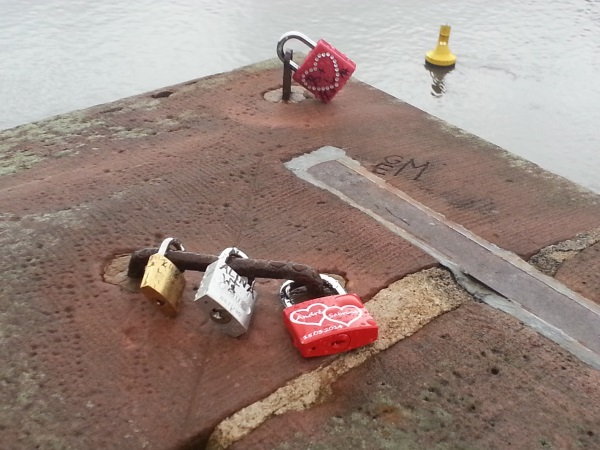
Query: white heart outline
{"x": 360, "y": 314}
{"x": 292, "y": 319}
{"x": 313, "y": 69}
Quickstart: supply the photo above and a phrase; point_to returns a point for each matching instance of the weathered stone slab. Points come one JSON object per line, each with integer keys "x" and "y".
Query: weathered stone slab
{"x": 474, "y": 378}
{"x": 87, "y": 364}
{"x": 400, "y": 310}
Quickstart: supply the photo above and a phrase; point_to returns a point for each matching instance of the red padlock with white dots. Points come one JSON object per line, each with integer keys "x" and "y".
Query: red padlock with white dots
{"x": 325, "y": 69}
{"x": 327, "y": 325}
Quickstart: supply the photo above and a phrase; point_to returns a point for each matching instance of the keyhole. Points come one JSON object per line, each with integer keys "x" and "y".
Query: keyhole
{"x": 219, "y": 315}
{"x": 341, "y": 342}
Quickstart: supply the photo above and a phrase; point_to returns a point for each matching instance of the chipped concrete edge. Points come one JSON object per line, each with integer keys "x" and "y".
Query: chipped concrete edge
{"x": 400, "y": 310}
{"x": 549, "y": 259}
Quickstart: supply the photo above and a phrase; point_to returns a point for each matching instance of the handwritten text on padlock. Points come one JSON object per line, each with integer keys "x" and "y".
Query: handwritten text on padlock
{"x": 318, "y": 313}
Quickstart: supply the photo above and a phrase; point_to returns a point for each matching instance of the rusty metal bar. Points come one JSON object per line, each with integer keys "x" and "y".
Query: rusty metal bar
{"x": 257, "y": 268}
{"x": 287, "y": 75}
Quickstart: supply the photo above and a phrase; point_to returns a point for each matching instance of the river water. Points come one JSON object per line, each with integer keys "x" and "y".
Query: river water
{"x": 525, "y": 77}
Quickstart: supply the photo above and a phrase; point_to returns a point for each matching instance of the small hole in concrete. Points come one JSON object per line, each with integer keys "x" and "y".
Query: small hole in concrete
{"x": 495, "y": 371}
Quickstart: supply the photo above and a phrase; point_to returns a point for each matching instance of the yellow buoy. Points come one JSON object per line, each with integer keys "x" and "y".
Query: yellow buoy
{"x": 441, "y": 55}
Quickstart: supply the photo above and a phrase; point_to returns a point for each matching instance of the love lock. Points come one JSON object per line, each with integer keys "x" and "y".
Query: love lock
{"x": 225, "y": 296}
{"x": 327, "y": 325}
{"x": 325, "y": 70}
{"x": 163, "y": 282}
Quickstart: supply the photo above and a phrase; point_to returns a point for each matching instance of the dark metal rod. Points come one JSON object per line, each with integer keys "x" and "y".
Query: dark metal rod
{"x": 287, "y": 75}
{"x": 257, "y": 268}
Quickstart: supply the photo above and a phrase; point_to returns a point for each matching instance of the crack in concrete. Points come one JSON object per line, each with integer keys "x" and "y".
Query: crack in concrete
{"x": 400, "y": 310}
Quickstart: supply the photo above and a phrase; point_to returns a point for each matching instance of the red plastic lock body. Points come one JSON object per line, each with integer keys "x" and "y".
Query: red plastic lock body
{"x": 329, "y": 325}
{"x": 325, "y": 71}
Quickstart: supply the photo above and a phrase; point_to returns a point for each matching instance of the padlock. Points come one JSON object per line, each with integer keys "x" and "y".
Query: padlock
{"x": 325, "y": 69}
{"x": 327, "y": 325}
{"x": 163, "y": 282}
{"x": 227, "y": 297}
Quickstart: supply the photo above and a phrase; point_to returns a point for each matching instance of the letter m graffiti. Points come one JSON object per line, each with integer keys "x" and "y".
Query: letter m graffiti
{"x": 413, "y": 167}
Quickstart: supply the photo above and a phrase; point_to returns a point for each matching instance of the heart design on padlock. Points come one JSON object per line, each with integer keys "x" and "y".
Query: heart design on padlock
{"x": 344, "y": 315}
{"x": 313, "y": 315}
{"x": 313, "y": 83}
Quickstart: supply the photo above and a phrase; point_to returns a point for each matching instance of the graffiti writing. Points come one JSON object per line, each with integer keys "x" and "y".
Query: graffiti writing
{"x": 394, "y": 165}
{"x": 232, "y": 280}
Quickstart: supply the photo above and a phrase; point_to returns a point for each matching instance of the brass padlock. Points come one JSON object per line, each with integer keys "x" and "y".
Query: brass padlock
{"x": 163, "y": 282}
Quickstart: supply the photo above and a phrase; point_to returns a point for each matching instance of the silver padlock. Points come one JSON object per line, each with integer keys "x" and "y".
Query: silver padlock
{"x": 225, "y": 296}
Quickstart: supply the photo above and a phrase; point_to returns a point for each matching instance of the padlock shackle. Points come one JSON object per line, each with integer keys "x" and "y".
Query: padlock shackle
{"x": 232, "y": 251}
{"x": 168, "y": 242}
{"x": 236, "y": 253}
{"x": 285, "y": 291}
{"x": 293, "y": 35}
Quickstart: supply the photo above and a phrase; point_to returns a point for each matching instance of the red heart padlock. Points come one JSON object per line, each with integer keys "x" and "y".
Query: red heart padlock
{"x": 324, "y": 71}
{"x": 327, "y": 325}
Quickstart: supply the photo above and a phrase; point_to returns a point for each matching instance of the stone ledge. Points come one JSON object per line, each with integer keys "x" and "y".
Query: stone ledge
{"x": 400, "y": 310}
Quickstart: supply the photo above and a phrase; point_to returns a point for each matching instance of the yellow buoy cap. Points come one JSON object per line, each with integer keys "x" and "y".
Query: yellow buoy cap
{"x": 441, "y": 55}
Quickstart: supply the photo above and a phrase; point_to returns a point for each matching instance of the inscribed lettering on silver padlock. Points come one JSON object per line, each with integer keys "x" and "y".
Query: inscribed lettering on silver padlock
{"x": 227, "y": 297}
